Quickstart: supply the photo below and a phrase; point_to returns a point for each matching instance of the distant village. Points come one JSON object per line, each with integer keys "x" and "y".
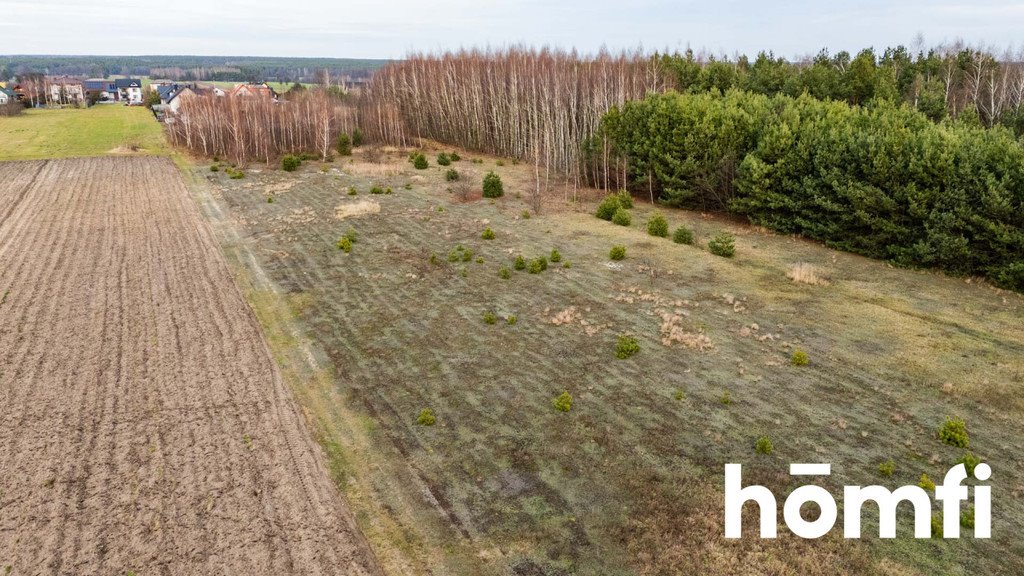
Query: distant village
{"x": 162, "y": 96}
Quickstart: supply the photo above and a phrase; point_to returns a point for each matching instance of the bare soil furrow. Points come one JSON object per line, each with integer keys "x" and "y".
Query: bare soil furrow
{"x": 146, "y": 428}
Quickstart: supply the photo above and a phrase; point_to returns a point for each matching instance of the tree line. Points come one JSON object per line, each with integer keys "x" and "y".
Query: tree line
{"x": 944, "y": 81}
{"x": 882, "y": 180}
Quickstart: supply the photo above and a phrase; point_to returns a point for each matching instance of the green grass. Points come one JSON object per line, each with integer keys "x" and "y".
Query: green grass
{"x": 97, "y": 131}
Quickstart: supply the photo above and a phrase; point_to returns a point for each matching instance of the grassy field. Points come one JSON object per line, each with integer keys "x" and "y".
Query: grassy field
{"x": 629, "y": 480}
{"x": 96, "y": 131}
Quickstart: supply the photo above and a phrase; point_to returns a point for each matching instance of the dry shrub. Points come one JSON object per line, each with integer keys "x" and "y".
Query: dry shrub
{"x": 673, "y": 333}
{"x": 804, "y": 273}
{"x": 353, "y": 209}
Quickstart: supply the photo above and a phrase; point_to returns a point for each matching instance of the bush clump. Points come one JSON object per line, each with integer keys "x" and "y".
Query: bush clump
{"x": 954, "y": 432}
{"x": 504, "y": 273}
{"x": 452, "y": 175}
{"x": 726, "y": 398}
{"x": 419, "y": 162}
{"x": 214, "y": 168}
{"x": 617, "y": 253}
{"x": 487, "y": 234}
{"x": 426, "y": 417}
{"x": 682, "y": 235}
{"x": 537, "y": 265}
{"x": 657, "y": 226}
{"x": 352, "y": 191}
{"x": 343, "y": 145}
{"x": 970, "y": 462}
{"x": 511, "y": 320}
{"x": 490, "y": 318}
{"x": 290, "y": 163}
{"x": 800, "y": 358}
{"x": 563, "y": 402}
{"x": 493, "y": 188}
{"x": 556, "y": 256}
{"x": 606, "y": 209}
{"x": 357, "y": 137}
{"x": 443, "y": 159}
{"x": 622, "y": 217}
{"x": 270, "y": 199}
{"x": 926, "y": 483}
{"x": 723, "y": 244}
{"x": 376, "y": 190}
{"x": 887, "y": 468}
{"x": 344, "y": 243}
{"x": 764, "y": 445}
{"x": 626, "y": 346}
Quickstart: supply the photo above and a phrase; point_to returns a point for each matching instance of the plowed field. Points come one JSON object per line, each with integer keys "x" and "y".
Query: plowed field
{"x": 145, "y": 428}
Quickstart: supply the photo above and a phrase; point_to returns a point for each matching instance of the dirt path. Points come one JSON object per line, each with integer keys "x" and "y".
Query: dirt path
{"x": 145, "y": 427}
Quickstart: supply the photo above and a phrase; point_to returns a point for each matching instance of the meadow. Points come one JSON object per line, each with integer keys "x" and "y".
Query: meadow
{"x": 432, "y": 372}
{"x": 63, "y": 133}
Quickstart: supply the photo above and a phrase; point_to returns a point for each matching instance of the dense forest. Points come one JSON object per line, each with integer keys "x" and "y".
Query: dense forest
{"x": 227, "y": 68}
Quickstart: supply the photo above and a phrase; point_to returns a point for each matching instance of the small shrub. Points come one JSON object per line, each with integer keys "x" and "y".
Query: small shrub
{"x": 679, "y": 395}
{"x": 290, "y": 163}
{"x": 562, "y": 402}
{"x": 723, "y": 244}
{"x": 726, "y": 398}
{"x": 606, "y": 209}
{"x": 419, "y": 162}
{"x": 535, "y": 266}
{"x": 477, "y": 160}
{"x": 511, "y": 320}
{"x": 970, "y": 462}
{"x": 926, "y": 483}
{"x": 479, "y": 259}
{"x": 954, "y": 432}
{"x": 352, "y": 191}
{"x": 625, "y": 199}
{"x": 657, "y": 226}
{"x": 543, "y": 261}
{"x": 270, "y": 199}
{"x": 426, "y": 417}
{"x": 454, "y": 255}
{"x": 626, "y": 346}
{"x": 682, "y": 235}
{"x": 525, "y": 215}
{"x": 343, "y": 145}
{"x": 235, "y": 174}
{"x": 488, "y": 234}
{"x": 622, "y": 217}
{"x": 520, "y": 263}
{"x": 357, "y": 137}
{"x": 454, "y": 156}
{"x": 434, "y": 259}
{"x": 800, "y": 358}
{"x": 451, "y": 175}
{"x": 490, "y": 318}
{"x": 387, "y": 190}
{"x": 617, "y": 253}
{"x": 467, "y": 255}
{"x": 504, "y": 273}
{"x": 500, "y": 162}
{"x": 937, "y": 526}
{"x": 376, "y": 190}
{"x": 567, "y": 264}
{"x": 352, "y": 235}
{"x": 345, "y": 244}
{"x": 444, "y": 159}
{"x": 408, "y": 186}
{"x": 493, "y": 188}
{"x": 887, "y": 468}
{"x": 214, "y": 168}
{"x": 556, "y": 256}
{"x": 764, "y": 445}
{"x": 967, "y": 518}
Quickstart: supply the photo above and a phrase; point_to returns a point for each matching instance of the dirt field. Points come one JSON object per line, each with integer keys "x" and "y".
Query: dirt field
{"x": 146, "y": 429}
{"x": 629, "y": 481}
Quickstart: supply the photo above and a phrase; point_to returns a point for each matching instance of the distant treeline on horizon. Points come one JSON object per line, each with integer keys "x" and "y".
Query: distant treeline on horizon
{"x": 212, "y": 68}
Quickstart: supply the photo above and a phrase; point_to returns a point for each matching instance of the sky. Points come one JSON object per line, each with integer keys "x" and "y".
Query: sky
{"x": 391, "y": 29}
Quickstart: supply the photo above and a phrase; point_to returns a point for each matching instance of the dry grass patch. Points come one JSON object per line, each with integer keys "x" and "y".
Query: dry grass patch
{"x": 804, "y": 273}
{"x": 354, "y": 209}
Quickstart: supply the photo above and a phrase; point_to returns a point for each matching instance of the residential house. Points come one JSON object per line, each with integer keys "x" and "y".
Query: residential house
{"x": 246, "y": 90}
{"x": 7, "y": 96}
{"x": 117, "y": 90}
{"x": 64, "y": 90}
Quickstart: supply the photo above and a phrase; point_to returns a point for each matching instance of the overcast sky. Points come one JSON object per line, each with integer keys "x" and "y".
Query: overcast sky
{"x": 390, "y": 29}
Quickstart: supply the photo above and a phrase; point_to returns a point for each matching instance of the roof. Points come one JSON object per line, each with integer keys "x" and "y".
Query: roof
{"x": 97, "y": 84}
{"x": 127, "y": 83}
{"x": 180, "y": 90}
{"x": 8, "y": 92}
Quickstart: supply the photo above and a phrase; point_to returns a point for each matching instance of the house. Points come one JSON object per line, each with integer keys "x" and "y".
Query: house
{"x": 117, "y": 90}
{"x": 7, "y": 96}
{"x": 64, "y": 90}
{"x": 261, "y": 90}
{"x": 179, "y": 96}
